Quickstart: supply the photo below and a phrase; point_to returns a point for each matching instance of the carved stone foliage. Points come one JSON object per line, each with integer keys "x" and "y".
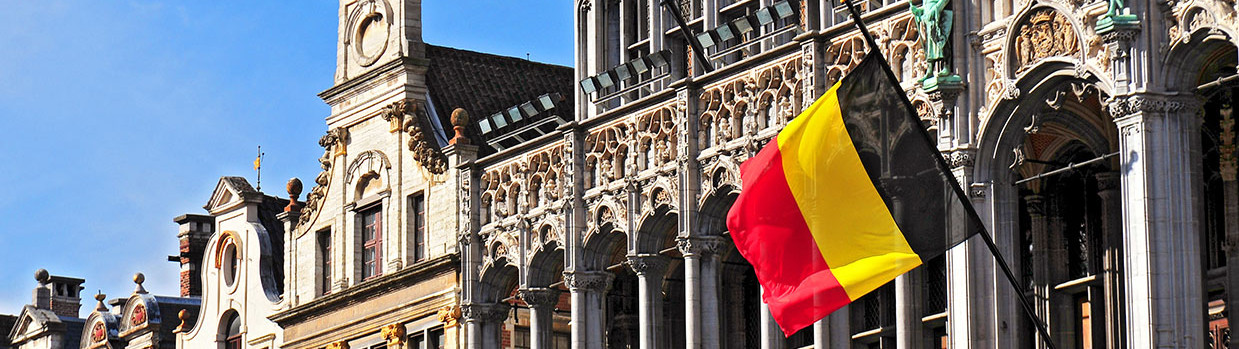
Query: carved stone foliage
{"x": 644, "y": 143}
{"x": 907, "y": 55}
{"x": 995, "y": 76}
{"x": 495, "y": 312}
{"x": 1125, "y": 106}
{"x": 393, "y": 334}
{"x": 588, "y": 281}
{"x": 448, "y": 315}
{"x": 1190, "y": 17}
{"x": 336, "y": 139}
{"x": 758, "y": 102}
{"x": 502, "y": 248}
{"x": 533, "y": 180}
{"x": 411, "y": 117}
{"x": 1044, "y": 33}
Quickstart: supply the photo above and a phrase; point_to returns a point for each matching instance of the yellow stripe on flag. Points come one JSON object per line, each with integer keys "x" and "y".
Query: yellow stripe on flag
{"x": 848, "y": 219}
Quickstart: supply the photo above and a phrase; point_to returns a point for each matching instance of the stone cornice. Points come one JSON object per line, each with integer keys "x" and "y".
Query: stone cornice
{"x": 366, "y": 290}
{"x": 386, "y": 68}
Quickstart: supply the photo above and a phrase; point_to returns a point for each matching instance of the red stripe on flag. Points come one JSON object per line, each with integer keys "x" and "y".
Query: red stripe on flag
{"x": 799, "y": 287}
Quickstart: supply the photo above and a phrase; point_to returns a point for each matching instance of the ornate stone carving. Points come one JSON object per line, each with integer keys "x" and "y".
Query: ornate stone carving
{"x": 977, "y": 190}
{"x": 1145, "y": 103}
{"x": 539, "y": 297}
{"x": 492, "y": 312}
{"x": 393, "y": 334}
{"x": 1046, "y": 33}
{"x": 703, "y": 246}
{"x": 335, "y": 138}
{"x": 1035, "y": 205}
{"x": 648, "y": 264}
{"x": 588, "y": 281}
{"x": 426, "y": 154}
{"x": 338, "y": 345}
{"x": 1229, "y": 165}
{"x": 961, "y": 158}
{"x": 448, "y": 315}
{"x": 741, "y": 107}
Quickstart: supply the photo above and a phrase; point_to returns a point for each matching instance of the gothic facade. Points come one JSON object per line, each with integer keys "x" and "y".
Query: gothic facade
{"x": 622, "y": 208}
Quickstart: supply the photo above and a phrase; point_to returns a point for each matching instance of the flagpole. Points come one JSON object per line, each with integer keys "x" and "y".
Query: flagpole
{"x": 989, "y": 242}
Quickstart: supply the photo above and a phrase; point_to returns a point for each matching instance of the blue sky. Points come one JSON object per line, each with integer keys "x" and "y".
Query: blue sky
{"x": 121, "y": 115}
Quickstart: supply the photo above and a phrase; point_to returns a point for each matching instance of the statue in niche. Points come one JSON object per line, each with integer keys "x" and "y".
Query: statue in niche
{"x": 933, "y": 24}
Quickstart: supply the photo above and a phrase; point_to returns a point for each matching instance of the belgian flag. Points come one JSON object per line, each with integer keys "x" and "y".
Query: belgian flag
{"x": 851, "y": 194}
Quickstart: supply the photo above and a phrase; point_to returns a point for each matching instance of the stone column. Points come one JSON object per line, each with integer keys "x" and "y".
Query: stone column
{"x": 588, "y": 289}
{"x": 1159, "y": 149}
{"x": 1038, "y": 235}
{"x": 1228, "y": 166}
{"x": 484, "y": 322}
{"x": 909, "y": 331}
{"x": 701, "y": 290}
{"x": 650, "y": 269}
{"x": 1112, "y": 258}
{"x": 541, "y": 312}
{"x": 771, "y": 336}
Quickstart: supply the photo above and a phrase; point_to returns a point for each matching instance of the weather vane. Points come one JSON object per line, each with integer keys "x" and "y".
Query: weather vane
{"x": 258, "y": 167}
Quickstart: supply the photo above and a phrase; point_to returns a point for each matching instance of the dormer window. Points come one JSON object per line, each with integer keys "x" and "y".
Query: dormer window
{"x": 371, "y": 225}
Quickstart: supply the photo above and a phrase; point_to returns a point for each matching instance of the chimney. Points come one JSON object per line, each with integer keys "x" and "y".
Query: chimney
{"x": 60, "y": 294}
{"x": 194, "y": 232}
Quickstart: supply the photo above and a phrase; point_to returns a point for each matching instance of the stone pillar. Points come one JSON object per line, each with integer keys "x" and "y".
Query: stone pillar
{"x": 1038, "y": 235}
{"x": 484, "y": 322}
{"x": 650, "y": 271}
{"x": 909, "y": 331}
{"x": 1112, "y": 258}
{"x": 588, "y": 289}
{"x": 541, "y": 313}
{"x": 1159, "y": 149}
{"x": 701, "y": 299}
{"x": 771, "y": 335}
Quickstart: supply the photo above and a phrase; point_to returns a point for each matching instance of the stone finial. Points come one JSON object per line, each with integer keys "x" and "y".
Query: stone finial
{"x": 100, "y": 297}
{"x": 294, "y": 191}
{"x": 42, "y": 276}
{"x": 460, "y": 118}
{"x": 184, "y": 316}
{"x": 139, "y": 278}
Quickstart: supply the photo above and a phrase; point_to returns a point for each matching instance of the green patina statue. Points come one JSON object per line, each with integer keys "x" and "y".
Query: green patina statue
{"x": 1117, "y": 15}
{"x": 933, "y": 24}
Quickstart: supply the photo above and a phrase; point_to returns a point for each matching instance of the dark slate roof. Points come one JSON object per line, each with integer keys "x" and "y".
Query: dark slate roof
{"x": 169, "y": 313}
{"x": 239, "y": 183}
{"x": 6, "y": 325}
{"x": 73, "y": 331}
{"x": 270, "y": 207}
{"x": 484, "y": 84}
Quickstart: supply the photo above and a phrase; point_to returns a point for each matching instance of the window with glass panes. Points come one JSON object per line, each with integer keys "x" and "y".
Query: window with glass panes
{"x": 417, "y": 207}
{"x": 324, "y": 253}
{"x": 371, "y": 225}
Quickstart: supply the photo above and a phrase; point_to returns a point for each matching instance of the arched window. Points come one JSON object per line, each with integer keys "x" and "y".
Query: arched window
{"x": 232, "y": 333}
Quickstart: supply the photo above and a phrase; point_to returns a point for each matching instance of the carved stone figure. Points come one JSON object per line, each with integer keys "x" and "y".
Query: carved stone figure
{"x": 1046, "y": 33}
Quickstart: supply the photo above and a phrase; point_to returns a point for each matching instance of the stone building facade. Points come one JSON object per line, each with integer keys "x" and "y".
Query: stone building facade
{"x": 622, "y": 208}
{"x": 373, "y": 257}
